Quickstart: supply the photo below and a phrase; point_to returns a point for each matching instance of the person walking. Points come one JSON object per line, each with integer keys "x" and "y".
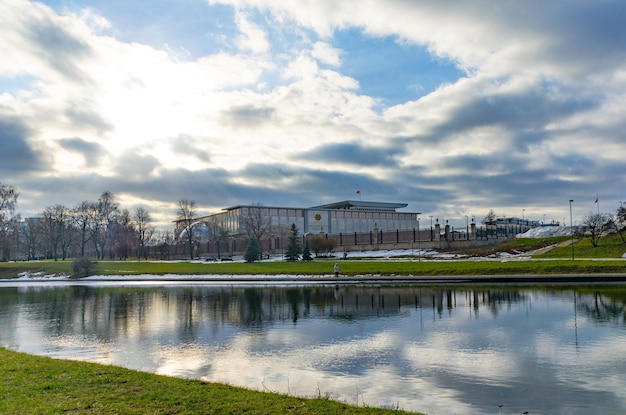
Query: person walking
{"x": 336, "y": 269}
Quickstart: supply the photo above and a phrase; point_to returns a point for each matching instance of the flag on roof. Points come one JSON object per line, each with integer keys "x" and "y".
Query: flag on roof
{"x": 596, "y": 199}
{"x": 358, "y": 192}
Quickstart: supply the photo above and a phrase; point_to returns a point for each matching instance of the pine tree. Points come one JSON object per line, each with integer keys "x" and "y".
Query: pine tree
{"x": 253, "y": 250}
{"x": 306, "y": 252}
{"x": 293, "y": 246}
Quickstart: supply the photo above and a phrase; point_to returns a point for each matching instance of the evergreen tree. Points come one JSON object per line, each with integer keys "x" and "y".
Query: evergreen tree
{"x": 306, "y": 252}
{"x": 253, "y": 250}
{"x": 293, "y": 245}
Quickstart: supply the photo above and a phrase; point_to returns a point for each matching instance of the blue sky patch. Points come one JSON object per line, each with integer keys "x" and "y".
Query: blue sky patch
{"x": 396, "y": 72}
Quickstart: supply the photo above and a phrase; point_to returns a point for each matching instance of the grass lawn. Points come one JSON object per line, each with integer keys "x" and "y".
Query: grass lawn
{"x": 608, "y": 247}
{"x": 41, "y": 385}
{"x": 555, "y": 261}
{"x": 350, "y": 268}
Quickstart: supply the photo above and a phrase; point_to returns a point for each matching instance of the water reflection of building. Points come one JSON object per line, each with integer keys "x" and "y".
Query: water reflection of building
{"x": 105, "y": 312}
{"x": 259, "y": 306}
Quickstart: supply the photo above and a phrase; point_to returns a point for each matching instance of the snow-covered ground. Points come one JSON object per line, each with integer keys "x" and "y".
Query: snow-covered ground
{"x": 546, "y": 232}
{"x": 39, "y": 276}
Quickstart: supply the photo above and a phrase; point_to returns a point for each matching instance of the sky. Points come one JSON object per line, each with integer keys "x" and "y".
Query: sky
{"x": 455, "y": 107}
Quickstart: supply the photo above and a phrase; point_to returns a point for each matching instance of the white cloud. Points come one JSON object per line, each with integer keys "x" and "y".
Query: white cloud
{"x": 253, "y": 37}
{"x": 531, "y": 99}
{"x": 326, "y": 54}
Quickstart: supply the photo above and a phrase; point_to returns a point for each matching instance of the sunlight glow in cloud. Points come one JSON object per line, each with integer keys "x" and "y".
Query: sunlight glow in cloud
{"x": 533, "y": 116}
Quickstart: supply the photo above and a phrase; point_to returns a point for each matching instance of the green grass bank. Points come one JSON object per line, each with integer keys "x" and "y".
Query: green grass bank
{"x": 605, "y": 258}
{"x": 347, "y": 268}
{"x": 41, "y": 385}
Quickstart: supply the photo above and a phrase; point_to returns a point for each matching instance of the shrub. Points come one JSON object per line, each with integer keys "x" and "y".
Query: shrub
{"x": 82, "y": 267}
{"x": 322, "y": 246}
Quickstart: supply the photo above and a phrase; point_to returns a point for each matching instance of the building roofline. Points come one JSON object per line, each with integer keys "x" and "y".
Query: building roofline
{"x": 260, "y": 206}
{"x": 349, "y": 204}
{"x": 345, "y": 204}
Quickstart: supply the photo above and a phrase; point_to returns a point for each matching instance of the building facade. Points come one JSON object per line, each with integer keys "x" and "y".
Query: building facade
{"x": 348, "y": 216}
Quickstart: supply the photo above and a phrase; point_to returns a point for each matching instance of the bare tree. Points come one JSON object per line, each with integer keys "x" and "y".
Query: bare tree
{"x": 186, "y": 217}
{"x": 144, "y": 229}
{"x": 621, "y": 216}
{"x": 84, "y": 216}
{"x": 8, "y": 219}
{"x": 106, "y": 208}
{"x": 614, "y": 225}
{"x": 256, "y": 222}
{"x": 596, "y": 225}
{"x": 57, "y": 231}
{"x": 217, "y": 234}
{"x": 619, "y": 222}
{"x": 31, "y": 235}
{"x": 164, "y": 240}
{"x": 490, "y": 218}
{"x": 8, "y": 200}
{"x": 123, "y": 235}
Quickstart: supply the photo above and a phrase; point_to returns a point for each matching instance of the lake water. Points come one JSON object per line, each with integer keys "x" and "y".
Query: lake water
{"x": 439, "y": 350}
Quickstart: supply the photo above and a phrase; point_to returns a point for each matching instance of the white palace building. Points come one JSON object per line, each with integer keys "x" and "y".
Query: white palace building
{"x": 349, "y": 216}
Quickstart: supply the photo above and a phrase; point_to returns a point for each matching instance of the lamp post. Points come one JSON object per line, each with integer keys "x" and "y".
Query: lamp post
{"x": 431, "y": 227}
{"x": 571, "y": 226}
{"x": 466, "y": 227}
{"x": 419, "y": 238}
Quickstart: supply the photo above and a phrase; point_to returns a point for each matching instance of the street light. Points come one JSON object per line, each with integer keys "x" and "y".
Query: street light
{"x": 571, "y": 226}
{"x": 466, "y": 227}
{"x": 431, "y": 227}
{"x": 419, "y": 244}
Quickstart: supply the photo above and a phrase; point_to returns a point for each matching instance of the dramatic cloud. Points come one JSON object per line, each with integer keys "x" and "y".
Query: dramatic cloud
{"x": 92, "y": 152}
{"x": 17, "y": 156}
{"x": 352, "y": 153}
{"x": 454, "y": 108}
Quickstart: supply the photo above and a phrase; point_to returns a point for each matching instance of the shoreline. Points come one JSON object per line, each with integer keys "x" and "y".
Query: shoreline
{"x": 593, "y": 278}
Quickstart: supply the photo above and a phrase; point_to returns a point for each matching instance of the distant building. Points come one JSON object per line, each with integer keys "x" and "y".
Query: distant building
{"x": 348, "y": 216}
{"x": 526, "y": 223}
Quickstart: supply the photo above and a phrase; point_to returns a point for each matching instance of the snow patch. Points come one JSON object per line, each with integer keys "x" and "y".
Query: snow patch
{"x": 546, "y": 232}
{"x": 40, "y": 276}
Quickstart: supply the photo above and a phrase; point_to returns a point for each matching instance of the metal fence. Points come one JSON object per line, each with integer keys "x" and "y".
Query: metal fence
{"x": 376, "y": 238}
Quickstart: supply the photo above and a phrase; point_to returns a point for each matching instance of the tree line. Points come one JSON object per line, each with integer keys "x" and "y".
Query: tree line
{"x": 100, "y": 229}
{"x": 92, "y": 229}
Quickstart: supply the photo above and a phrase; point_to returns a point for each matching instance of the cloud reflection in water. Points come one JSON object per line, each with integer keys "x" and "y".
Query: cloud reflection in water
{"x": 440, "y": 350}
